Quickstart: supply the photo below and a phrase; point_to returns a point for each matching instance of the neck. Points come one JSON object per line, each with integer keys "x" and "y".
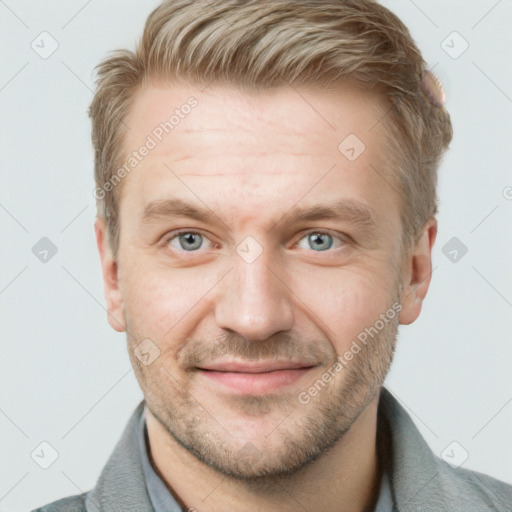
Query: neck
{"x": 345, "y": 478}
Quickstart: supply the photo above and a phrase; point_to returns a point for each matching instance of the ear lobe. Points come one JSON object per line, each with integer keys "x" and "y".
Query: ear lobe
{"x": 417, "y": 274}
{"x": 109, "y": 269}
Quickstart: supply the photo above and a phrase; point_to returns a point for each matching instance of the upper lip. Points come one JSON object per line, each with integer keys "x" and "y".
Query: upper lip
{"x": 254, "y": 367}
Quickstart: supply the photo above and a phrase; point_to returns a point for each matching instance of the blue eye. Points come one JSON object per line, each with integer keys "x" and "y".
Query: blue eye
{"x": 187, "y": 240}
{"x": 318, "y": 241}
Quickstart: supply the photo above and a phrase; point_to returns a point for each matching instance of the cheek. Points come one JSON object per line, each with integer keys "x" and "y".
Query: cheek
{"x": 159, "y": 299}
{"x": 346, "y": 301}
{"x": 154, "y": 302}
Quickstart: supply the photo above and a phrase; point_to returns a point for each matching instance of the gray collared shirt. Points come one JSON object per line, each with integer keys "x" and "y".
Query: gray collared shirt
{"x": 163, "y": 501}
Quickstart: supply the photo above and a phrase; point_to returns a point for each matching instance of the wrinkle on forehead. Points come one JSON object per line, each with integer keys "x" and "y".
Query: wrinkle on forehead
{"x": 290, "y": 112}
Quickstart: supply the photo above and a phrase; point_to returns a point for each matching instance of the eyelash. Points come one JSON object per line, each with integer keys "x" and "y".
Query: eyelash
{"x": 344, "y": 239}
{"x": 176, "y": 234}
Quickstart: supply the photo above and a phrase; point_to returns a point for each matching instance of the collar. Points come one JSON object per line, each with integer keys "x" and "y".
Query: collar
{"x": 418, "y": 480}
{"x": 161, "y": 498}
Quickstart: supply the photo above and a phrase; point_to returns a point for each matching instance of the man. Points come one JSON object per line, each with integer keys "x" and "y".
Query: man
{"x": 266, "y": 185}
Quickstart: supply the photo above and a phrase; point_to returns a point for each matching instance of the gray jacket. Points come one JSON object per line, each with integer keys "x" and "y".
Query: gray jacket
{"x": 420, "y": 482}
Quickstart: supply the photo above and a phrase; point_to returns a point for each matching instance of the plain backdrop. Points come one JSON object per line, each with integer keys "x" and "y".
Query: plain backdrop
{"x": 65, "y": 376}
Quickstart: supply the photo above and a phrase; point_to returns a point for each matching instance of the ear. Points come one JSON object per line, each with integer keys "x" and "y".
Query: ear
{"x": 113, "y": 297}
{"x": 417, "y": 274}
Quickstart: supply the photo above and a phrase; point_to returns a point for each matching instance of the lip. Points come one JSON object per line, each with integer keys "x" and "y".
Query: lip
{"x": 256, "y": 367}
{"x": 255, "y": 378}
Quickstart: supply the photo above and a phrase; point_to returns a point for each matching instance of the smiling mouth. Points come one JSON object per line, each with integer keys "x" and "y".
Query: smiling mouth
{"x": 255, "y": 378}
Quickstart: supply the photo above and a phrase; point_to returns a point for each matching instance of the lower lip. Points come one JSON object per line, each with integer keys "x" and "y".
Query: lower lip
{"x": 256, "y": 383}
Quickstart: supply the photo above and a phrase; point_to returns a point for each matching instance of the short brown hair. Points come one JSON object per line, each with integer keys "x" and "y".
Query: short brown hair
{"x": 273, "y": 43}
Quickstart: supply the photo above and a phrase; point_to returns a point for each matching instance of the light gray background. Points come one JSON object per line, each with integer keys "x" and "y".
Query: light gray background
{"x": 65, "y": 376}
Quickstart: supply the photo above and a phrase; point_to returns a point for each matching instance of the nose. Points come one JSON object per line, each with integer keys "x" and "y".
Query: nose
{"x": 254, "y": 301}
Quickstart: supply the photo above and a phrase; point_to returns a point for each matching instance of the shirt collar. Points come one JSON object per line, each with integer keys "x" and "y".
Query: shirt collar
{"x": 161, "y": 498}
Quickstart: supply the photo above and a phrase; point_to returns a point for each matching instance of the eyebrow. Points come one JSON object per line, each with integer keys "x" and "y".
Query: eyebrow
{"x": 348, "y": 210}
{"x": 170, "y": 208}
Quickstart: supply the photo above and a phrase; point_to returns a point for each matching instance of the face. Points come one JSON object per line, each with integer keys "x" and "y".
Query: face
{"x": 255, "y": 251}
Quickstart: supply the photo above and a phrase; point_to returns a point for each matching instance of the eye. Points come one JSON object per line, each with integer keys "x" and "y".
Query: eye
{"x": 189, "y": 241}
{"x": 320, "y": 241}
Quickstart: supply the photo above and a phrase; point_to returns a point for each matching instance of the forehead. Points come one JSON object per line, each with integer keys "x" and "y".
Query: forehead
{"x": 273, "y": 147}
{"x": 292, "y": 112}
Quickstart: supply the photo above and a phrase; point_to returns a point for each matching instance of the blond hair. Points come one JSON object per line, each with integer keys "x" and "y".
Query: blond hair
{"x": 272, "y": 43}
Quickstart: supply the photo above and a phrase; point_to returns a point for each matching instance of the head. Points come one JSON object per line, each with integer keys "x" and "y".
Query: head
{"x": 266, "y": 187}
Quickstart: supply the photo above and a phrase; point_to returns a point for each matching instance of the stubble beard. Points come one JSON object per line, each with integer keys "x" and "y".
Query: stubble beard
{"x": 309, "y": 430}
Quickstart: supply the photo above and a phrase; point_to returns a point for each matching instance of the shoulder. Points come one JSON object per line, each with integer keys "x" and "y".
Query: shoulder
{"x": 423, "y": 481}
{"x": 69, "y": 504}
{"x": 479, "y": 487}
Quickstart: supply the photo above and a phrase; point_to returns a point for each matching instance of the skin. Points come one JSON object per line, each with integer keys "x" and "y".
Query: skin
{"x": 251, "y": 158}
